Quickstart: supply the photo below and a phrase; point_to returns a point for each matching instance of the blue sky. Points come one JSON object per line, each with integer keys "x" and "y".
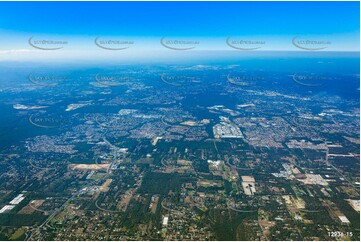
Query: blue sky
{"x": 211, "y": 23}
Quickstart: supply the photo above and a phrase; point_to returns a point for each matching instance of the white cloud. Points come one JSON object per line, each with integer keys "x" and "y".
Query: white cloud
{"x": 15, "y": 51}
